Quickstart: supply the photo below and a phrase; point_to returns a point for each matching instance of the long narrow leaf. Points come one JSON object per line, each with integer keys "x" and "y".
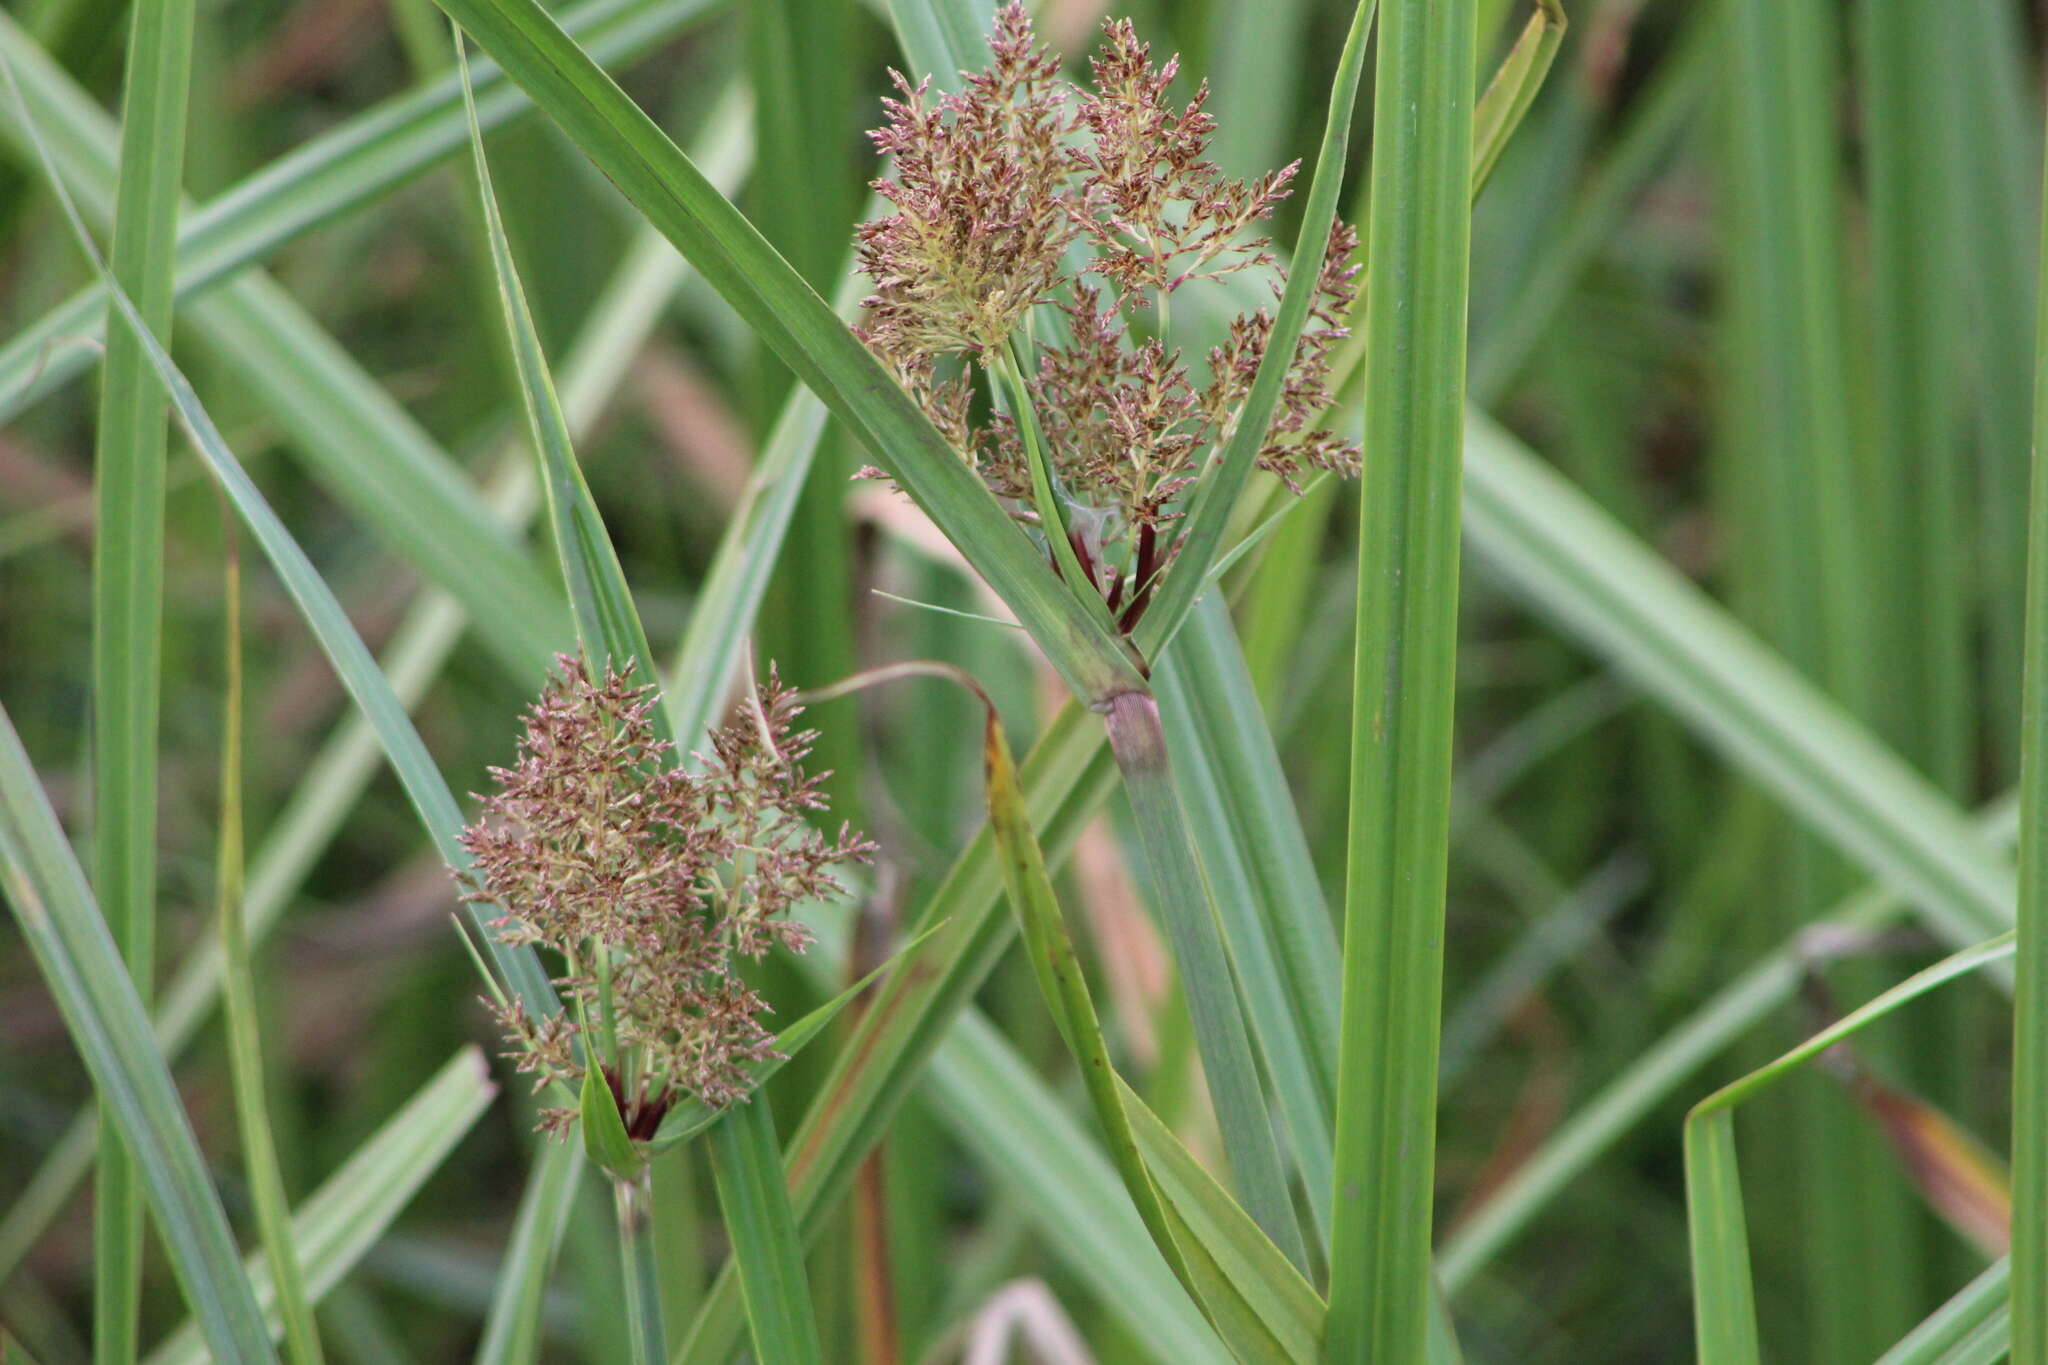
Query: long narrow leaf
{"x": 79, "y": 960}
{"x": 1024, "y": 1136}
{"x": 127, "y": 589}
{"x": 244, "y": 1027}
{"x": 1403, "y": 682}
{"x": 1278, "y": 924}
{"x": 765, "y": 1246}
{"x": 1795, "y": 491}
{"x": 607, "y": 626}
{"x": 1506, "y": 102}
{"x": 1211, "y": 1226}
{"x": 1050, "y": 951}
{"x": 1724, "y": 1294}
{"x": 1977, "y": 1318}
{"x": 1723, "y": 1290}
{"x": 1208, "y": 978}
{"x": 512, "y": 1326}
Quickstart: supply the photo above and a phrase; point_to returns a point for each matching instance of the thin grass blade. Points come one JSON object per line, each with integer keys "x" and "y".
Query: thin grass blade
{"x": 1507, "y": 97}
{"x": 1977, "y": 1320}
{"x": 1281, "y": 936}
{"x": 1027, "y": 1140}
{"x": 1209, "y": 515}
{"x": 803, "y": 62}
{"x": 1800, "y": 497}
{"x": 241, "y": 1010}
{"x": 512, "y": 1326}
{"x": 1970, "y": 959}
{"x": 1208, "y": 977}
{"x": 1723, "y": 1292}
{"x": 608, "y": 629}
{"x": 127, "y": 589}
{"x": 1050, "y": 952}
{"x": 632, "y": 1205}
{"x": 2030, "y": 977}
{"x": 82, "y": 965}
{"x": 1279, "y": 1315}
{"x": 766, "y": 1249}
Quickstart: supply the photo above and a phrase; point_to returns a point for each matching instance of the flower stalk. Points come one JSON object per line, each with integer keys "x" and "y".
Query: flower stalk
{"x": 1196, "y": 932}
{"x": 632, "y": 1201}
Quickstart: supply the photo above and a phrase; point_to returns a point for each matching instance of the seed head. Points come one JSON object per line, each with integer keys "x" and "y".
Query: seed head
{"x": 648, "y": 881}
{"x": 1097, "y": 205}
{"x": 1157, "y": 211}
{"x": 980, "y": 197}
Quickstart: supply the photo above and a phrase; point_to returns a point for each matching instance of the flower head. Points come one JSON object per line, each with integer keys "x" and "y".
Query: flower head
{"x": 1039, "y": 220}
{"x": 980, "y": 220}
{"x": 649, "y": 881}
{"x": 1157, "y": 211}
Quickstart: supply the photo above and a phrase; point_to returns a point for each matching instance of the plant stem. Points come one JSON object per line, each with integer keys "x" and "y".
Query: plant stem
{"x": 631, "y": 1199}
{"x": 1050, "y": 518}
{"x": 1207, "y": 976}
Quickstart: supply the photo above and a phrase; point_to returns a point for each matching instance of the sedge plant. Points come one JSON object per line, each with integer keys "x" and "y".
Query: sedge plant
{"x": 1107, "y": 345}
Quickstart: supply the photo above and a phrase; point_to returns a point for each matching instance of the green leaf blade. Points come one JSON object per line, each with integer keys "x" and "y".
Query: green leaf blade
{"x": 127, "y": 579}
{"x": 82, "y": 965}
{"x": 747, "y": 1163}
{"x": 1403, "y": 681}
